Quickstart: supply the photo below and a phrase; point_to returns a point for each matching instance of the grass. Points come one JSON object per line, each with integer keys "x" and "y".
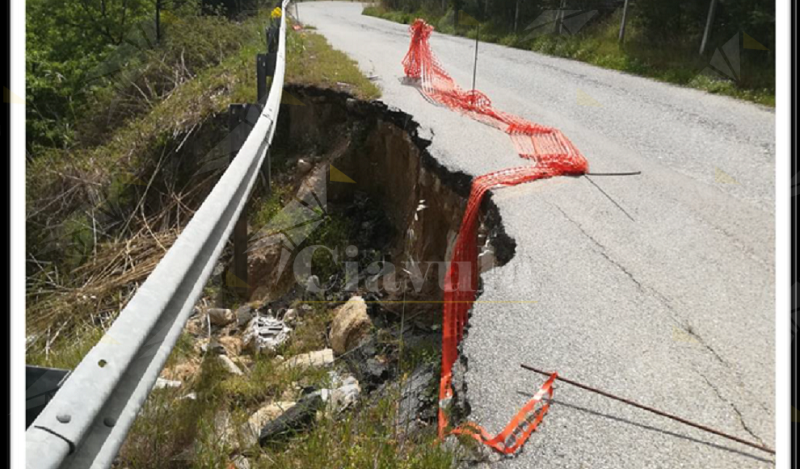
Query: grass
{"x": 311, "y": 60}
{"x": 175, "y": 432}
{"x": 368, "y": 438}
{"x": 675, "y": 62}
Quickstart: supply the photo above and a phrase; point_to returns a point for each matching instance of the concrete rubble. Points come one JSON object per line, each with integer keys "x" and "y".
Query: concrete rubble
{"x": 265, "y": 333}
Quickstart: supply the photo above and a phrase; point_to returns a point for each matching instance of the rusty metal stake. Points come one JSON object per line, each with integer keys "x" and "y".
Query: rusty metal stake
{"x": 655, "y": 411}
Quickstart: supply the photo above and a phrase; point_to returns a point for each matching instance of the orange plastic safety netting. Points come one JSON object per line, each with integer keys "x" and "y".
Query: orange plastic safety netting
{"x": 554, "y": 155}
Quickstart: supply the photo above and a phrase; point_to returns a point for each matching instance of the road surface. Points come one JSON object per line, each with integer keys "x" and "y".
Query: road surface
{"x": 660, "y": 287}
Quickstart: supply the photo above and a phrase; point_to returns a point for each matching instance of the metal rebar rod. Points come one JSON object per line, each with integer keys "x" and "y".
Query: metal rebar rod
{"x": 654, "y": 411}
{"x": 475, "y": 61}
{"x": 625, "y": 173}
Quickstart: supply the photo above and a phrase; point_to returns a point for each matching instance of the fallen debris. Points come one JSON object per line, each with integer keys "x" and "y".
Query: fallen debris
{"x": 220, "y": 317}
{"x": 315, "y": 359}
{"x": 264, "y": 415}
{"x": 244, "y": 314}
{"x": 299, "y": 417}
{"x": 265, "y": 333}
{"x": 230, "y": 366}
{"x": 162, "y": 383}
{"x": 350, "y": 325}
{"x": 345, "y": 395}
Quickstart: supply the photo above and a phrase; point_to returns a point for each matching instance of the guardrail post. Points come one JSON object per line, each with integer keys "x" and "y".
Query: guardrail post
{"x": 237, "y": 117}
{"x": 261, "y": 78}
{"x": 262, "y": 72}
{"x": 265, "y": 68}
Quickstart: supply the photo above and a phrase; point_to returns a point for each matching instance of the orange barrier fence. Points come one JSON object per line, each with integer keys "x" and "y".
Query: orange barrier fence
{"x": 553, "y": 155}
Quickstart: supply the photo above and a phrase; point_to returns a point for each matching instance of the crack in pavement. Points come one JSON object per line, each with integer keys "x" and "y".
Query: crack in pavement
{"x": 681, "y": 322}
{"x": 646, "y": 289}
{"x": 733, "y": 406}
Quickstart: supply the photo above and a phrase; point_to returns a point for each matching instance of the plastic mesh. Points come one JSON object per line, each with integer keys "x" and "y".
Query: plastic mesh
{"x": 553, "y": 154}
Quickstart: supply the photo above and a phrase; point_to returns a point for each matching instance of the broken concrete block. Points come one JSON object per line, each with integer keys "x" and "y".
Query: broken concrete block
{"x": 162, "y": 383}
{"x": 265, "y": 333}
{"x": 345, "y": 395}
{"x": 315, "y": 359}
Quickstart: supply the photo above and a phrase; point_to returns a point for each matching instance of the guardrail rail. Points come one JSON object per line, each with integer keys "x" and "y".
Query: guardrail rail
{"x": 88, "y": 419}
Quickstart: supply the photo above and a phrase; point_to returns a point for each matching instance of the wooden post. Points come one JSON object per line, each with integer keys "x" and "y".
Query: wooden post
{"x": 624, "y": 21}
{"x": 712, "y": 9}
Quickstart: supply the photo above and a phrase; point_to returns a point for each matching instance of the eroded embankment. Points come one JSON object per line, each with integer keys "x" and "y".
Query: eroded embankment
{"x": 303, "y": 366}
{"x": 386, "y": 163}
{"x": 380, "y": 152}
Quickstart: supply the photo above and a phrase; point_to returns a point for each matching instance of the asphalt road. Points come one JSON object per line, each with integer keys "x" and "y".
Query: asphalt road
{"x": 664, "y": 295}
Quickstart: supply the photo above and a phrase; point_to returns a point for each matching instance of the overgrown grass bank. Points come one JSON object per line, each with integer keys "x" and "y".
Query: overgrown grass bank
{"x": 99, "y": 218}
{"x": 675, "y": 62}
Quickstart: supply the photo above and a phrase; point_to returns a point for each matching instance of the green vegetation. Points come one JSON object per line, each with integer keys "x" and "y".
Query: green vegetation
{"x": 311, "y": 60}
{"x": 102, "y": 209}
{"x": 366, "y": 439}
{"x": 662, "y": 39}
{"x": 177, "y": 432}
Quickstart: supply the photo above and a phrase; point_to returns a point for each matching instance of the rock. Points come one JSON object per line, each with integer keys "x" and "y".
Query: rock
{"x": 244, "y": 314}
{"x": 316, "y": 359}
{"x": 224, "y": 429}
{"x": 263, "y": 416}
{"x": 345, "y": 395}
{"x": 230, "y": 366}
{"x": 306, "y": 309}
{"x": 303, "y": 166}
{"x": 265, "y": 333}
{"x": 417, "y": 398}
{"x": 162, "y": 383}
{"x": 377, "y": 369}
{"x": 290, "y": 317}
{"x": 298, "y": 417}
{"x": 192, "y": 396}
{"x": 220, "y": 316}
{"x": 350, "y": 325}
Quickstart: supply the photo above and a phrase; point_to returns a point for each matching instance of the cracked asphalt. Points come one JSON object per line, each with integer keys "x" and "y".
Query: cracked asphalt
{"x": 657, "y": 287}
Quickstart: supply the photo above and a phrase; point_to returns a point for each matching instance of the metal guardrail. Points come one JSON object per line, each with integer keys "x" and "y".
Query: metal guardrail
{"x": 86, "y": 422}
